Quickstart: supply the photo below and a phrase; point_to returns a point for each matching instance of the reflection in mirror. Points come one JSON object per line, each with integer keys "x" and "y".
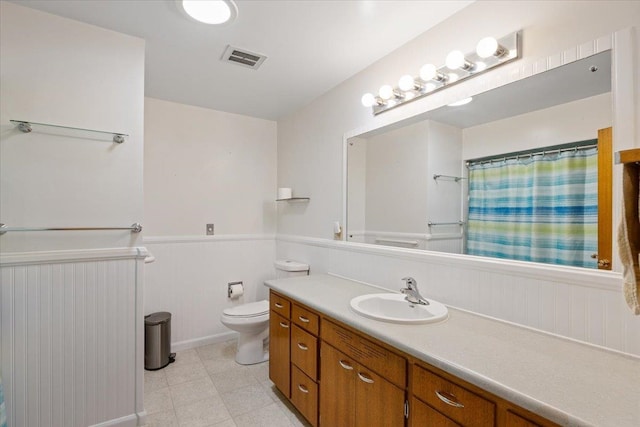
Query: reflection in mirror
{"x": 407, "y": 184}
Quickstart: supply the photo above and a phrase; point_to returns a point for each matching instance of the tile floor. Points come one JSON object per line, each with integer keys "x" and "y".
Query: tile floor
{"x": 205, "y": 387}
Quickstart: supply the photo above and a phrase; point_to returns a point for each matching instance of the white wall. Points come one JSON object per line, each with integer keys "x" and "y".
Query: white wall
{"x": 550, "y": 30}
{"x": 570, "y": 122}
{"x": 205, "y": 166}
{"x": 396, "y": 181}
{"x": 59, "y": 71}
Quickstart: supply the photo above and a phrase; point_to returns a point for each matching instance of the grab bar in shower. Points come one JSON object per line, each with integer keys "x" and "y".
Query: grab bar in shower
{"x": 431, "y": 224}
{"x": 135, "y": 228}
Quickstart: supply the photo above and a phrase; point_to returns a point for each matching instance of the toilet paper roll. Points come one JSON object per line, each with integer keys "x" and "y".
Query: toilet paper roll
{"x": 284, "y": 193}
{"x": 236, "y": 291}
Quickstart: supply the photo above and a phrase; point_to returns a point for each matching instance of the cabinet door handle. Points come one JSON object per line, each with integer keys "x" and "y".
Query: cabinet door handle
{"x": 278, "y": 305}
{"x": 345, "y": 365}
{"x": 284, "y": 325}
{"x": 365, "y": 378}
{"x": 449, "y": 399}
{"x": 303, "y": 388}
{"x": 301, "y": 346}
{"x": 303, "y": 319}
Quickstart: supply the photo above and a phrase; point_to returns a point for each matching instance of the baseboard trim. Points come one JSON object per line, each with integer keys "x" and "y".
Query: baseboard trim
{"x": 199, "y": 342}
{"x": 127, "y": 421}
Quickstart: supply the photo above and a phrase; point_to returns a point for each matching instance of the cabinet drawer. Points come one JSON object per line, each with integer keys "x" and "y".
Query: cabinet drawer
{"x": 304, "y": 395}
{"x": 378, "y": 359}
{"x": 305, "y": 319}
{"x": 515, "y": 420}
{"x": 280, "y": 305}
{"x": 421, "y": 414}
{"x": 304, "y": 351}
{"x": 454, "y": 401}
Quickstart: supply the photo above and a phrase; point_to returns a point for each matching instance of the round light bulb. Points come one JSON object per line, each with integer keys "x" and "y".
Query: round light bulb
{"x": 487, "y": 47}
{"x": 455, "y": 59}
{"x": 210, "y": 11}
{"x": 368, "y": 100}
{"x": 406, "y": 83}
{"x": 428, "y": 72}
{"x": 385, "y": 92}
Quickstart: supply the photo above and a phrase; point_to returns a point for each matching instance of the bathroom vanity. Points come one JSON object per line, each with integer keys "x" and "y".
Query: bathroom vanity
{"x": 341, "y": 369}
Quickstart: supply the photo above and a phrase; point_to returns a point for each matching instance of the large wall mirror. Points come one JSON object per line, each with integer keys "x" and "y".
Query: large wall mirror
{"x": 449, "y": 179}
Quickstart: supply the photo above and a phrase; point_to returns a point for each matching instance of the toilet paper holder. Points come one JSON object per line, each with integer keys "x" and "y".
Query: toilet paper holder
{"x": 230, "y": 284}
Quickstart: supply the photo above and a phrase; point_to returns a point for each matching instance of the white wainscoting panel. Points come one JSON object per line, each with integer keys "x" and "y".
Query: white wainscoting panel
{"x": 189, "y": 279}
{"x": 70, "y": 338}
{"x": 577, "y": 304}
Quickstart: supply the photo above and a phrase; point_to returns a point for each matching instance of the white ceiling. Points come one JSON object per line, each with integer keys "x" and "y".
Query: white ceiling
{"x": 311, "y": 45}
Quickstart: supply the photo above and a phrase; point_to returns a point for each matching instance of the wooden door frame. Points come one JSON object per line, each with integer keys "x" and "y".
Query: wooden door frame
{"x": 605, "y": 198}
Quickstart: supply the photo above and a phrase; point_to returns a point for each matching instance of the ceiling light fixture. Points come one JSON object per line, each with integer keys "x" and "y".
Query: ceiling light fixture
{"x": 489, "y": 53}
{"x": 214, "y": 12}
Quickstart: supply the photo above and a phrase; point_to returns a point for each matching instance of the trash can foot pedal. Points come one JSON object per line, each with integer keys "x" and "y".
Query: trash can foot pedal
{"x": 172, "y": 357}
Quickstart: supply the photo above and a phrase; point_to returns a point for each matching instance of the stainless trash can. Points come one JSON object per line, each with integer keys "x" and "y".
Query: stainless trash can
{"x": 157, "y": 341}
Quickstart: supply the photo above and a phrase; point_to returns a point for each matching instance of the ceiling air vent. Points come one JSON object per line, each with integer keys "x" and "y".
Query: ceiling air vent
{"x": 242, "y": 57}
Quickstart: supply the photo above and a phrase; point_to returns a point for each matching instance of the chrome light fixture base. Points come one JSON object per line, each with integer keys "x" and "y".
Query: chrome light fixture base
{"x": 509, "y": 49}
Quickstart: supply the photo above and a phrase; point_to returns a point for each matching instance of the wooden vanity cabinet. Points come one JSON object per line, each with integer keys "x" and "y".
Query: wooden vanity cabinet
{"x": 293, "y": 354}
{"x": 338, "y": 377}
{"x": 279, "y": 352}
{"x": 440, "y": 399}
{"x": 361, "y": 383}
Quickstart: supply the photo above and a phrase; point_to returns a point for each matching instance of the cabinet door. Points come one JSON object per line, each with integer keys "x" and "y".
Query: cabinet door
{"x": 378, "y": 402}
{"x": 337, "y": 388}
{"x": 279, "y": 356}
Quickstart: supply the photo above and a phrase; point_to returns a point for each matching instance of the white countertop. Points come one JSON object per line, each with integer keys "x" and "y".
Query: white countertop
{"x": 570, "y": 383}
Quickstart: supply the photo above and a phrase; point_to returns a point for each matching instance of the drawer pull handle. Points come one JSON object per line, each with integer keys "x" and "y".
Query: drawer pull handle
{"x": 365, "y": 378}
{"x": 284, "y": 325}
{"x": 345, "y": 365}
{"x": 303, "y": 319}
{"x": 278, "y": 305}
{"x": 303, "y": 388}
{"x": 449, "y": 399}
{"x": 301, "y": 346}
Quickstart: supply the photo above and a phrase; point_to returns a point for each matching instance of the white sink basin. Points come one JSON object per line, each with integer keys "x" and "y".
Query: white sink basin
{"x": 394, "y": 308}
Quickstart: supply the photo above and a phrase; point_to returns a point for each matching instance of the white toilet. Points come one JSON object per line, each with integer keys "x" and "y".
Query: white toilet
{"x": 251, "y": 320}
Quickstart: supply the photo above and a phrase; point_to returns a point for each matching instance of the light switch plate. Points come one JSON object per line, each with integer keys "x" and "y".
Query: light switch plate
{"x": 209, "y": 229}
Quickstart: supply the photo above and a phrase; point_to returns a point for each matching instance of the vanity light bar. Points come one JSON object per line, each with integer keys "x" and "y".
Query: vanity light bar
{"x": 489, "y": 53}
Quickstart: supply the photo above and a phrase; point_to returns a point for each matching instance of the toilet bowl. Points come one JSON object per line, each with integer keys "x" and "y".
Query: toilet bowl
{"x": 251, "y": 320}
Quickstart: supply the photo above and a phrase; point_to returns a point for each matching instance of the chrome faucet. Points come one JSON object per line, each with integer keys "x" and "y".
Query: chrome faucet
{"x": 413, "y": 295}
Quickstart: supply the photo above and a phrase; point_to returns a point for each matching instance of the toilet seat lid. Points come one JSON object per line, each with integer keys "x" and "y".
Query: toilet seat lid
{"x": 252, "y": 309}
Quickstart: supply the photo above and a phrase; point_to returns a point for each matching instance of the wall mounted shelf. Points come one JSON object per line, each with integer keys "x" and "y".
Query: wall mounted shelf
{"x": 26, "y": 127}
{"x": 294, "y": 199}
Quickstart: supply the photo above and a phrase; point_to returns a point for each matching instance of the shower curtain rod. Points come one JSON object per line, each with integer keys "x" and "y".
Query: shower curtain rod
{"x": 580, "y": 145}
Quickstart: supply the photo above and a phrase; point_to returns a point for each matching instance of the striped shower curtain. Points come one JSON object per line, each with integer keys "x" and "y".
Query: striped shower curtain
{"x": 541, "y": 208}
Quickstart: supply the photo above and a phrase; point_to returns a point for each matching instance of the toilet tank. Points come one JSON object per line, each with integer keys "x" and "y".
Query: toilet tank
{"x": 287, "y": 268}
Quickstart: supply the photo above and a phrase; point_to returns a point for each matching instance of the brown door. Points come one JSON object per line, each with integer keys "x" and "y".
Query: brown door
{"x": 279, "y": 356}
{"x": 337, "y": 388}
{"x": 605, "y": 206}
{"x": 378, "y": 402}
